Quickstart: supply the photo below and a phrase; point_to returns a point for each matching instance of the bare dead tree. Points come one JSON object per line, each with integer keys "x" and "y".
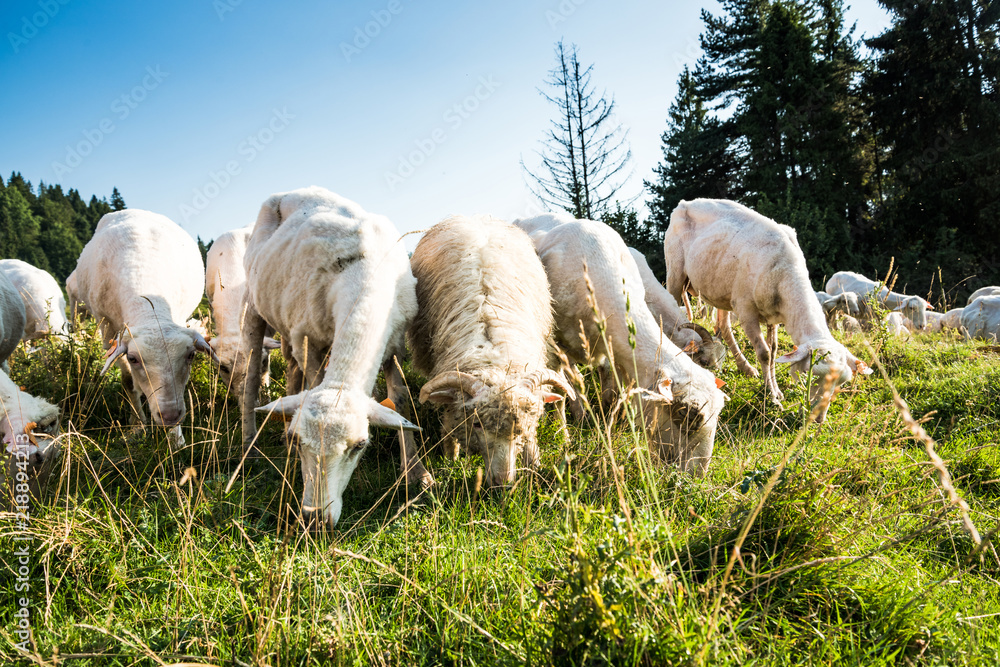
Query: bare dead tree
{"x": 585, "y": 153}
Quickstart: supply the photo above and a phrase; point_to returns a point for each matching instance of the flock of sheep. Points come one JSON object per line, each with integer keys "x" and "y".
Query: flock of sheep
{"x": 497, "y": 316}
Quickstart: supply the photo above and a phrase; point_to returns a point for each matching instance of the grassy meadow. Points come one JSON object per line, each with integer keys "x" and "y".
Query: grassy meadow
{"x": 804, "y": 545}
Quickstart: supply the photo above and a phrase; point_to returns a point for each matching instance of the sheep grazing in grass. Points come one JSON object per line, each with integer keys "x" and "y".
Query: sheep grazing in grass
{"x": 983, "y": 291}
{"x": 482, "y": 335}
{"x": 741, "y": 261}
{"x": 28, "y": 424}
{"x": 913, "y": 308}
{"x": 589, "y": 267}
{"x": 141, "y": 277}
{"x": 225, "y": 285}
{"x": 335, "y": 282}
{"x": 44, "y": 305}
{"x": 981, "y": 318}
{"x": 897, "y": 325}
{"x": 694, "y": 339}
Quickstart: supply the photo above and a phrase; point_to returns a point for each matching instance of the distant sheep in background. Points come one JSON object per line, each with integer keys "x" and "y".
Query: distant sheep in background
{"x": 913, "y": 308}
{"x": 482, "y": 335}
{"x": 983, "y": 291}
{"x": 335, "y": 282}
{"x": 741, "y": 261}
{"x": 44, "y": 305}
{"x": 141, "y": 277}
{"x": 981, "y": 318}
{"x": 695, "y": 340}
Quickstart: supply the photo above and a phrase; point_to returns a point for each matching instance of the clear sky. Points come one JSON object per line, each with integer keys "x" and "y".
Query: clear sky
{"x": 199, "y": 109}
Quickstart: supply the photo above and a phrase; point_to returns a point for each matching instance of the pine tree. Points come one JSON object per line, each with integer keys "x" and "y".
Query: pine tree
{"x": 784, "y": 70}
{"x": 697, "y": 161}
{"x": 585, "y": 154}
{"x": 117, "y": 202}
{"x": 934, "y": 98}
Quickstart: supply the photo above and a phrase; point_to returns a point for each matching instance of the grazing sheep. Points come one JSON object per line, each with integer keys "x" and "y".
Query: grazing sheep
{"x": 28, "y": 424}
{"x": 952, "y": 319}
{"x": 913, "y": 307}
{"x": 694, "y": 339}
{"x": 589, "y": 266}
{"x": 482, "y": 335}
{"x": 335, "y": 282}
{"x": 983, "y": 291}
{"x": 897, "y": 325}
{"x": 141, "y": 277}
{"x": 225, "y": 285}
{"x": 741, "y": 261}
{"x": 981, "y": 318}
{"x": 44, "y": 305}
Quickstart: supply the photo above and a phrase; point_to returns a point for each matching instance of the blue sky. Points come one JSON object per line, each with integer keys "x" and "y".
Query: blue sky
{"x": 199, "y": 109}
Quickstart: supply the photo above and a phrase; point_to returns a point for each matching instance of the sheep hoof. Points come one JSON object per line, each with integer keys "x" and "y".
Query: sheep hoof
{"x": 419, "y": 477}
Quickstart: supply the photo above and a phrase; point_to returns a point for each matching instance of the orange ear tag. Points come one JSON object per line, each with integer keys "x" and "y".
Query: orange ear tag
{"x": 388, "y": 404}
{"x": 719, "y": 384}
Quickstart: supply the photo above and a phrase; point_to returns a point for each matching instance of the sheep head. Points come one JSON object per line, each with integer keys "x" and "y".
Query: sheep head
{"x": 329, "y": 425}
{"x": 495, "y": 414}
{"x": 832, "y": 364}
{"x": 682, "y": 429}
{"x": 159, "y": 360}
{"x": 30, "y": 426}
{"x": 710, "y": 352}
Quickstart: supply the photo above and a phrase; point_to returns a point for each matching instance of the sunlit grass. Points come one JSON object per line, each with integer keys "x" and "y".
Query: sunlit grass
{"x": 855, "y": 557}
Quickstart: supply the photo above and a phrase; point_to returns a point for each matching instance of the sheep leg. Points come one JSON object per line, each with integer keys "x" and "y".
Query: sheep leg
{"x": 724, "y": 329}
{"x": 751, "y": 326}
{"x": 293, "y": 374}
{"x": 409, "y": 458}
{"x": 253, "y": 341}
{"x": 772, "y": 342}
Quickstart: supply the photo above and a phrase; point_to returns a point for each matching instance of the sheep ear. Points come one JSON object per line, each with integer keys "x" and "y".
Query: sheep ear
{"x": 379, "y": 415}
{"x": 117, "y": 349}
{"x": 549, "y": 397}
{"x": 796, "y": 355}
{"x": 660, "y": 393}
{"x": 859, "y": 366}
{"x": 284, "y": 407}
{"x": 202, "y": 345}
{"x": 271, "y": 344}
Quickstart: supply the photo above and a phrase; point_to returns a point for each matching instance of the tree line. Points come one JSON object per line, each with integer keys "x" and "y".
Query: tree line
{"x": 879, "y": 152}
{"x": 48, "y": 227}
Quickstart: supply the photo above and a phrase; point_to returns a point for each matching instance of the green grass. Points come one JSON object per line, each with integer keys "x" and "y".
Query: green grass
{"x": 602, "y": 556}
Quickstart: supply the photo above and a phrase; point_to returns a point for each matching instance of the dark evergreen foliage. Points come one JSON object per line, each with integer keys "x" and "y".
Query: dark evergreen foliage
{"x": 47, "y": 228}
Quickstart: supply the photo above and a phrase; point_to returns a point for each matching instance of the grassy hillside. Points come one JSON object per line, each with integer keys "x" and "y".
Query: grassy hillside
{"x": 854, "y": 556}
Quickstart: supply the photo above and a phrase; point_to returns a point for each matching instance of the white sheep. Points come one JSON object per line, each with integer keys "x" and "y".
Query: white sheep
{"x": 482, "y": 335}
{"x": 981, "y": 318}
{"x": 28, "y": 424}
{"x": 913, "y": 307}
{"x": 44, "y": 305}
{"x": 694, "y": 339}
{"x": 225, "y": 285}
{"x": 983, "y": 291}
{"x": 141, "y": 276}
{"x": 589, "y": 266}
{"x": 335, "y": 282}
{"x": 897, "y": 325}
{"x": 741, "y": 261}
